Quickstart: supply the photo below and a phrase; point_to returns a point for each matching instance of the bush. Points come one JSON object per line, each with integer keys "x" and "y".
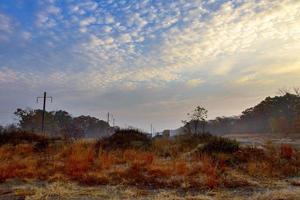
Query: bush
{"x": 287, "y": 151}
{"x": 126, "y": 139}
{"x": 16, "y": 137}
{"x": 220, "y": 145}
{"x": 189, "y": 141}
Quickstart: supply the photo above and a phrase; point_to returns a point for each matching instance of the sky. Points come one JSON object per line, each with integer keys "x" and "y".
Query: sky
{"x": 146, "y": 61}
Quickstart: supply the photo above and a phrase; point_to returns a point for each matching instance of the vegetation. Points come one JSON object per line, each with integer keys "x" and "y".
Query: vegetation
{"x": 196, "y": 118}
{"x": 17, "y": 137}
{"x": 220, "y": 163}
{"x": 126, "y": 138}
{"x": 220, "y": 145}
{"x": 279, "y": 114}
{"x": 192, "y": 161}
{"x": 61, "y": 123}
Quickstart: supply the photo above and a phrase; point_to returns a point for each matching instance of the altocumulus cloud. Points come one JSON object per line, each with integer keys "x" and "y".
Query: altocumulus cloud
{"x": 143, "y": 48}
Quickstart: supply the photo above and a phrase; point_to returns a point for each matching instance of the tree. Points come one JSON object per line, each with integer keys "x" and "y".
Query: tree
{"x": 61, "y": 123}
{"x": 198, "y": 116}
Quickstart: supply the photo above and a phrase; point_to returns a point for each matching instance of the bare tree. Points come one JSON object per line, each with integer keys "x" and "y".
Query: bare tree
{"x": 283, "y": 91}
{"x": 297, "y": 91}
{"x": 199, "y": 115}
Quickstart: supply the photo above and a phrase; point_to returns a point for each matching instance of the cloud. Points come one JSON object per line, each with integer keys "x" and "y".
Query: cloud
{"x": 26, "y": 35}
{"x": 194, "y": 82}
{"x": 48, "y": 16}
{"x": 87, "y": 21}
{"x": 6, "y": 27}
{"x": 131, "y": 46}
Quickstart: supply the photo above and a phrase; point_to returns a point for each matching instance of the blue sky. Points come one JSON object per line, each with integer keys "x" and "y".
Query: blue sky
{"x": 146, "y": 61}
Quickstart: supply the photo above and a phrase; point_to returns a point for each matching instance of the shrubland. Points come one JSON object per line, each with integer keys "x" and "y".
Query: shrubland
{"x": 130, "y": 157}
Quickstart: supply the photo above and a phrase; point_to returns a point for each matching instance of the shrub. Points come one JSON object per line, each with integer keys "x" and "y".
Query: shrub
{"x": 220, "y": 145}
{"x": 127, "y": 138}
{"x": 209, "y": 169}
{"x": 189, "y": 141}
{"x": 247, "y": 154}
{"x": 107, "y": 160}
{"x": 162, "y": 146}
{"x": 16, "y": 137}
{"x": 287, "y": 152}
{"x": 79, "y": 160}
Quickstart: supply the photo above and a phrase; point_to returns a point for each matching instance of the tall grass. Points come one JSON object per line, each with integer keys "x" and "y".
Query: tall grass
{"x": 165, "y": 163}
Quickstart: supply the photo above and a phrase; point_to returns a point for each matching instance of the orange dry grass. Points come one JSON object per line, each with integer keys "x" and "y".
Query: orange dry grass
{"x": 181, "y": 167}
{"x": 287, "y": 151}
{"x": 107, "y": 159}
{"x": 210, "y": 170}
{"x": 136, "y": 156}
{"x": 79, "y": 160}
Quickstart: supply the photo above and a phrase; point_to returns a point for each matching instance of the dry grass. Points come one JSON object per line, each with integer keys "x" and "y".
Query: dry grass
{"x": 79, "y": 161}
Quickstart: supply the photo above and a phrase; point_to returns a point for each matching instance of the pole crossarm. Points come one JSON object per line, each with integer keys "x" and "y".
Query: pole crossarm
{"x": 51, "y": 99}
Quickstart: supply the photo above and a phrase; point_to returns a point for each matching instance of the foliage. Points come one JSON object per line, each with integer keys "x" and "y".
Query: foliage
{"x": 197, "y": 117}
{"x": 127, "y": 138}
{"x": 61, "y": 123}
{"x": 279, "y": 114}
{"x": 187, "y": 142}
{"x": 220, "y": 145}
{"x": 17, "y": 137}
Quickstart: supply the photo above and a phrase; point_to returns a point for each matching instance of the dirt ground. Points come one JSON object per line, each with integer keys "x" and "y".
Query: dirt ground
{"x": 17, "y": 190}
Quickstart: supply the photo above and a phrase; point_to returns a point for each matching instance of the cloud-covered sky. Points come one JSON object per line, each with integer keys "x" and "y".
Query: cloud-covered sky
{"x": 146, "y": 61}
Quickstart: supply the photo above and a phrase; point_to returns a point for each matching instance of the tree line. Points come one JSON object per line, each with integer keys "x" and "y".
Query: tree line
{"x": 60, "y": 123}
{"x": 279, "y": 114}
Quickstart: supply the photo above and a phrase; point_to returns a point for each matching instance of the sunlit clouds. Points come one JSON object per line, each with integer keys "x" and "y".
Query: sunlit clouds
{"x": 195, "y": 52}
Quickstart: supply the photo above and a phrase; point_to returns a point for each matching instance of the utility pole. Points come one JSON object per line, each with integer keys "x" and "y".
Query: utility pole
{"x": 151, "y": 129}
{"x": 108, "y": 118}
{"x": 44, "y": 108}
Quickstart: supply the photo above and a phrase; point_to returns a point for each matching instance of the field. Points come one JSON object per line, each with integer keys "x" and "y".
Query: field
{"x": 189, "y": 167}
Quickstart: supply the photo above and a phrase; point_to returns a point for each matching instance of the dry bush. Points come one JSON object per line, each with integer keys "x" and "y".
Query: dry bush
{"x": 24, "y": 149}
{"x": 164, "y": 147}
{"x": 18, "y": 161}
{"x": 287, "y": 151}
{"x": 6, "y": 151}
{"x": 137, "y": 156}
{"x": 107, "y": 159}
{"x": 247, "y": 154}
{"x": 181, "y": 167}
{"x": 159, "y": 171}
{"x": 209, "y": 169}
{"x": 80, "y": 159}
{"x": 9, "y": 170}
